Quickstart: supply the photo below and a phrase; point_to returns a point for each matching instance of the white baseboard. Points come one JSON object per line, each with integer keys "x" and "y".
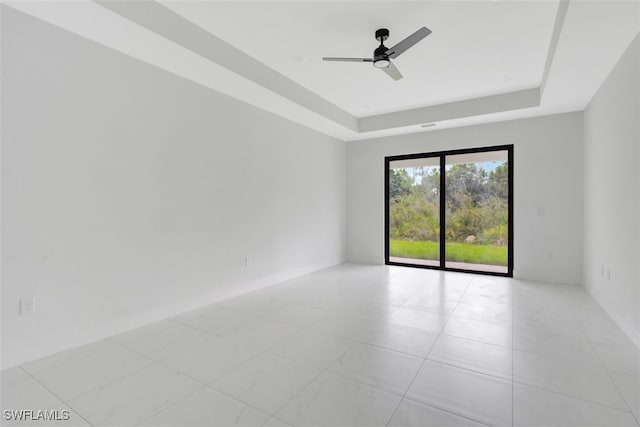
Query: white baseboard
{"x": 620, "y": 319}
{"x": 365, "y": 260}
{"x": 78, "y": 336}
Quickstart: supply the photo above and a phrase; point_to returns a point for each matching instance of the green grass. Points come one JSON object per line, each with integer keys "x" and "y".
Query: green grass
{"x": 458, "y": 252}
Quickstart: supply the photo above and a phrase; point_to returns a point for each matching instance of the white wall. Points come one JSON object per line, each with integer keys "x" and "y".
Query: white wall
{"x": 612, "y": 214}
{"x": 129, "y": 194}
{"x": 548, "y": 193}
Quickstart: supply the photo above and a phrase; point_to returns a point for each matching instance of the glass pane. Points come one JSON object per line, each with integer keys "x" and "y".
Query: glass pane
{"x": 477, "y": 211}
{"x": 414, "y": 211}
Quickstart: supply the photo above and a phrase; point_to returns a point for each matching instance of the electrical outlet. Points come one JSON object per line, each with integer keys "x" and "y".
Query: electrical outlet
{"x": 27, "y": 305}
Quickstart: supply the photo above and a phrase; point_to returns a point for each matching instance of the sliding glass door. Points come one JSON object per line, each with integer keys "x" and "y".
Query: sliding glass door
{"x": 414, "y": 199}
{"x": 451, "y": 210}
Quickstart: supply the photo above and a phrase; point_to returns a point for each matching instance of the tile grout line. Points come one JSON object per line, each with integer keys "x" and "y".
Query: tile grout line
{"x": 265, "y": 352}
{"x": 453, "y": 366}
{"x": 473, "y": 371}
{"x": 55, "y": 395}
{"x": 567, "y": 396}
{"x": 153, "y": 362}
{"x": 171, "y": 405}
{"x": 116, "y": 345}
{"x": 448, "y": 411}
{"x": 351, "y": 344}
{"x": 606, "y": 369}
{"x": 322, "y": 371}
{"x": 359, "y": 340}
{"x": 482, "y": 342}
{"x": 112, "y": 381}
{"x": 326, "y": 370}
{"x": 202, "y": 387}
{"x": 374, "y": 324}
{"x": 424, "y": 360}
{"x": 394, "y": 308}
{"x": 92, "y": 353}
{"x": 208, "y": 385}
{"x": 513, "y": 382}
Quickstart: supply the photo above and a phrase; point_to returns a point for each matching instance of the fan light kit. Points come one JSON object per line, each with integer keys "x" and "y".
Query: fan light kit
{"x": 382, "y": 55}
{"x": 381, "y": 63}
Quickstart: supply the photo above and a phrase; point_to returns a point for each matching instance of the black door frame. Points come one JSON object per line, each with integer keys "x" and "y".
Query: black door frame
{"x": 442, "y": 155}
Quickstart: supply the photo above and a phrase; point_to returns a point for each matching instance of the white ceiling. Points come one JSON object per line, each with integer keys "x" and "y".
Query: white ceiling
{"x": 484, "y": 62}
{"x": 477, "y": 48}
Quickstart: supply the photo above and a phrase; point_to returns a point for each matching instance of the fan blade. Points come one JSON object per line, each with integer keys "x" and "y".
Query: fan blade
{"x": 392, "y": 71}
{"x": 405, "y": 44}
{"x": 349, "y": 59}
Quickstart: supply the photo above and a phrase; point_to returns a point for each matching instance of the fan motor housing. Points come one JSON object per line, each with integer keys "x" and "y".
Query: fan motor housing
{"x": 380, "y": 52}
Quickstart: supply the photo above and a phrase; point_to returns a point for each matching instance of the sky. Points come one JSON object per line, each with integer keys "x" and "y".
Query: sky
{"x": 417, "y": 178}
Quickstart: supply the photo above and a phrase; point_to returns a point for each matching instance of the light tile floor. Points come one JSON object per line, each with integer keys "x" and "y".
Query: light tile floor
{"x": 354, "y": 345}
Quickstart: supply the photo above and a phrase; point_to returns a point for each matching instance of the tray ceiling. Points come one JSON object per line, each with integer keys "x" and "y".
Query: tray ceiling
{"x": 487, "y": 60}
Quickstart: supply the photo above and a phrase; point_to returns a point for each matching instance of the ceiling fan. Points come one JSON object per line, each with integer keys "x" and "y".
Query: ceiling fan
{"x": 382, "y": 55}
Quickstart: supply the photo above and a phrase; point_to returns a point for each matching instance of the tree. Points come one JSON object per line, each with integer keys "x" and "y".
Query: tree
{"x": 431, "y": 185}
{"x": 414, "y": 217}
{"x": 400, "y": 183}
{"x": 499, "y": 181}
{"x": 476, "y": 204}
{"x": 465, "y": 180}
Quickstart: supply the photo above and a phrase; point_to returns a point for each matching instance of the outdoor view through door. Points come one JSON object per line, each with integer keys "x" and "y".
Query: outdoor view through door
{"x": 459, "y": 219}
